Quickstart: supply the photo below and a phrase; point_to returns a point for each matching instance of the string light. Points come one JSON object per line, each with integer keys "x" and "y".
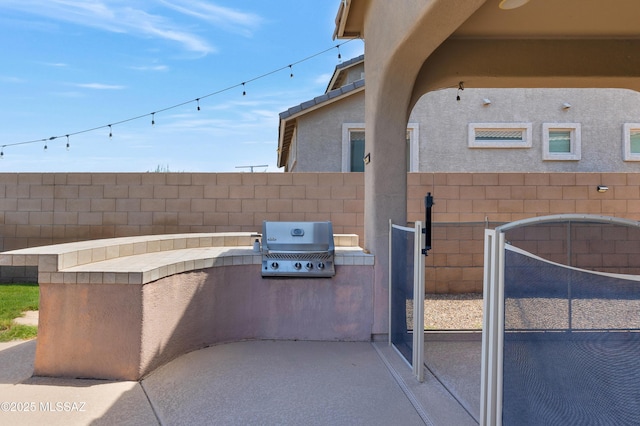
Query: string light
{"x": 460, "y": 88}
{"x": 197, "y": 100}
{"x": 45, "y": 141}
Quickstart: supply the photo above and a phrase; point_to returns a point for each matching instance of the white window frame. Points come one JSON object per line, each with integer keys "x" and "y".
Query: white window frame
{"x": 526, "y": 128}
{"x": 626, "y": 142}
{"x": 414, "y": 144}
{"x": 293, "y": 150}
{"x": 575, "y": 153}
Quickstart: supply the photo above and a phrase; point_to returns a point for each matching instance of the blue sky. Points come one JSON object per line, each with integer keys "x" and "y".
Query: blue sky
{"x": 76, "y": 65}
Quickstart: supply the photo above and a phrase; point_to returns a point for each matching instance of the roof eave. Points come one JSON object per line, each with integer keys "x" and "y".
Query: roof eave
{"x": 344, "y": 28}
{"x": 288, "y": 119}
{"x": 341, "y": 19}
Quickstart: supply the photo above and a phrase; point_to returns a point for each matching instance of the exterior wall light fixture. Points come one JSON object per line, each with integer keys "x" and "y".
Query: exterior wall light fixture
{"x": 602, "y": 188}
{"x": 512, "y": 4}
{"x": 486, "y": 102}
{"x": 566, "y": 105}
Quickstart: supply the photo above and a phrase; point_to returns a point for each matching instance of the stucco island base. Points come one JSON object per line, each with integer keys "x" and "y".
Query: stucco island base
{"x": 130, "y": 314}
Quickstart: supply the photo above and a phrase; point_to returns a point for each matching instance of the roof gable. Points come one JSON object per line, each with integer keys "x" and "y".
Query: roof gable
{"x": 340, "y": 73}
{"x": 288, "y": 118}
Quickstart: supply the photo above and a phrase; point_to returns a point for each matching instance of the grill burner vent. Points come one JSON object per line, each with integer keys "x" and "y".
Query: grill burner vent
{"x": 299, "y": 256}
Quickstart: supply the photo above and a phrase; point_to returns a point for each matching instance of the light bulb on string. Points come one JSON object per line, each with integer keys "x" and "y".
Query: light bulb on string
{"x": 460, "y": 88}
{"x": 339, "y": 55}
{"x": 45, "y": 142}
{"x": 68, "y": 145}
{"x": 110, "y": 132}
{"x": 153, "y": 118}
{"x": 244, "y": 92}
{"x": 2, "y": 152}
{"x": 291, "y": 70}
{"x": 198, "y": 102}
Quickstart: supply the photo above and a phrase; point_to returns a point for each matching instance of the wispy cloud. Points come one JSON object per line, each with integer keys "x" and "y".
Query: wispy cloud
{"x": 323, "y": 78}
{"x": 151, "y": 68}
{"x": 68, "y": 94}
{"x": 113, "y": 16}
{"x": 232, "y": 20}
{"x": 99, "y": 86}
{"x": 56, "y": 64}
{"x": 11, "y": 79}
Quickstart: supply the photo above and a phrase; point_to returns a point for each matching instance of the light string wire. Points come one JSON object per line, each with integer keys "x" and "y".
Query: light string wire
{"x": 196, "y": 100}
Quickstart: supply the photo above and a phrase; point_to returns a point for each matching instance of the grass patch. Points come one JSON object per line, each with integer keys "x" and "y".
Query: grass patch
{"x": 19, "y": 332}
{"x": 15, "y": 299}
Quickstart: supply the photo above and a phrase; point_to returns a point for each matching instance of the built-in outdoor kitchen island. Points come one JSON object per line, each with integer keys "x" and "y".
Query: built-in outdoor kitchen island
{"x": 119, "y": 308}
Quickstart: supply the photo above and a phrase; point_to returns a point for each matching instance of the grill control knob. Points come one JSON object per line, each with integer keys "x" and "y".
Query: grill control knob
{"x": 321, "y": 265}
{"x": 309, "y": 265}
{"x": 274, "y": 265}
{"x": 297, "y": 265}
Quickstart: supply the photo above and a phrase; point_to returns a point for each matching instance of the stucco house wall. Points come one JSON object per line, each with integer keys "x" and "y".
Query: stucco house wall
{"x": 443, "y": 127}
{"x": 318, "y": 139}
{"x": 601, "y": 114}
{"x": 354, "y": 73}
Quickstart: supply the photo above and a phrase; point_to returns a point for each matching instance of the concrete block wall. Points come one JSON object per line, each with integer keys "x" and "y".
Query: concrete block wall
{"x": 47, "y": 208}
{"x": 467, "y": 203}
{"x": 40, "y": 209}
{"x": 599, "y": 247}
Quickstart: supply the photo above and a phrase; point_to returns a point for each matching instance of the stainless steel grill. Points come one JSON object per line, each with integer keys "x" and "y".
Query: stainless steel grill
{"x": 297, "y": 249}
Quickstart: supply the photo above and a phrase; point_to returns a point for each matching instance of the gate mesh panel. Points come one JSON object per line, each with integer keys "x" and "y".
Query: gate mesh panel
{"x": 571, "y": 341}
{"x": 402, "y": 297}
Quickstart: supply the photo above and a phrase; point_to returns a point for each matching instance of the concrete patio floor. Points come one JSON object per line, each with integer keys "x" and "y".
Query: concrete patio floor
{"x": 257, "y": 382}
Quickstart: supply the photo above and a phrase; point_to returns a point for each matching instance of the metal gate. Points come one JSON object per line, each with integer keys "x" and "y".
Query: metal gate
{"x": 406, "y": 294}
{"x": 561, "y": 334}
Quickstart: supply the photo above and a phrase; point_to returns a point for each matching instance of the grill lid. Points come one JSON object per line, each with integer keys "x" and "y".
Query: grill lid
{"x": 297, "y": 237}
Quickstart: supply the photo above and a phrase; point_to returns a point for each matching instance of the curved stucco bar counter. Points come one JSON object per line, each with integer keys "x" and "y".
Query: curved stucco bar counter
{"x": 119, "y": 308}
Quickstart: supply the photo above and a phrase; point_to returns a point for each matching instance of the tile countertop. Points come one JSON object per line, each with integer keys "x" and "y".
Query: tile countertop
{"x": 147, "y": 267}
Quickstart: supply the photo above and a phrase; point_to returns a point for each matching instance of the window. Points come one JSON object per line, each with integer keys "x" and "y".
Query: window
{"x": 353, "y": 147}
{"x": 631, "y": 142}
{"x": 561, "y": 141}
{"x": 356, "y": 142}
{"x": 499, "y": 135}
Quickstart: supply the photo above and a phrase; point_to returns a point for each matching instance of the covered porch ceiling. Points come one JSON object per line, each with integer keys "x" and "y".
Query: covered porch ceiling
{"x": 553, "y": 19}
{"x": 533, "y": 19}
{"x": 540, "y": 43}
